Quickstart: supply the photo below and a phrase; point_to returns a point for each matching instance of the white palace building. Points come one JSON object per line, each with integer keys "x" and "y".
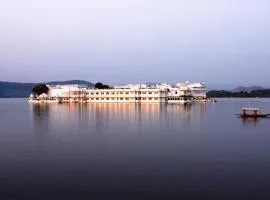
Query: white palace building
{"x": 180, "y": 93}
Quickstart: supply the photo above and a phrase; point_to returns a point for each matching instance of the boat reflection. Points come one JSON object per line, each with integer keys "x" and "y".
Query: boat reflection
{"x": 249, "y": 121}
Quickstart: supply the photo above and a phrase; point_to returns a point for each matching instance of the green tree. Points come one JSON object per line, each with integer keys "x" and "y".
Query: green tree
{"x": 106, "y": 87}
{"x": 101, "y": 86}
{"x": 40, "y": 89}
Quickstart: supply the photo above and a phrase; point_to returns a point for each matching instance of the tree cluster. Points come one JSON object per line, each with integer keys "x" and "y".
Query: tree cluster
{"x": 40, "y": 89}
{"x": 101, "y": 86}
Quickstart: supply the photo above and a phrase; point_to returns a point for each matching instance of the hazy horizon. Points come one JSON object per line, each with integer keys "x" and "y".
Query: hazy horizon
{"x": 223, "y": 43}
{"x": 209, "y": 87}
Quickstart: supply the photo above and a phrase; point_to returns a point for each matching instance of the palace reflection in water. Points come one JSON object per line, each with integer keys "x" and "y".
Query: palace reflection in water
{"x": 73, "y": 150}
{"x": 118, "y": 118}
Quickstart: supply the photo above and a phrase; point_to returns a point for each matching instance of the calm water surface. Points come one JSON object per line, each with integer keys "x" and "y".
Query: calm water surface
{"x": 131, "y": 151}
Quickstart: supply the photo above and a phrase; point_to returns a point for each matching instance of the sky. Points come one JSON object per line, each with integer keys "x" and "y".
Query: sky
{"x": 223, "y": 43}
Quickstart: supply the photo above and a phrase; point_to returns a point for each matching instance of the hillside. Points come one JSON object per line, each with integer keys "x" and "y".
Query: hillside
{"x": 20, "y": 90}
{"x": 224, "y": 93}
{"x": 81, "y": 82}
{"x": 247, "y": 89}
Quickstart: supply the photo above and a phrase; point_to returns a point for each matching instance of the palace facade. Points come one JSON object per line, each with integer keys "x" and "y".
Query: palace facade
{"x": 164, "y": 93}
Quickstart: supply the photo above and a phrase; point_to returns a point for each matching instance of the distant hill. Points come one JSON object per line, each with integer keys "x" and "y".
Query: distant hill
{"x": 21, "y": 90}
{"x": 81, "y": 82}
{"x": 16, "y": 90}
{"x": 254, "y": 93}
{"x": 247, "y": 89}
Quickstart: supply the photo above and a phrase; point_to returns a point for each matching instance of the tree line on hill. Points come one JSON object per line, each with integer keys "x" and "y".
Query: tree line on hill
{"x": 242, "y": 94}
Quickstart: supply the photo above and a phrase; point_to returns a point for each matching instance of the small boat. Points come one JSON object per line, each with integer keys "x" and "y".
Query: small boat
{"x": 252, "y": 113}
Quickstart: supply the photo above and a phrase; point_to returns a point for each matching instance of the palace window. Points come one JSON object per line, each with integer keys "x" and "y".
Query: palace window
{"x": 127, "y": 98}
{"x": 97, "y": 98}
{"x": 127, "y": 92}
{"x": 149, "y": 92}
{"x": 107, "y": 93}
{"x": 156, "y": 98}
{"x": 107, "y": 99}
{"x": 150, "y": 98}
{"x": 96, "y": 92}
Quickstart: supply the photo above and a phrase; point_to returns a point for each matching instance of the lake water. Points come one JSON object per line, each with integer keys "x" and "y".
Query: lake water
{"x": 132, "y": 151}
